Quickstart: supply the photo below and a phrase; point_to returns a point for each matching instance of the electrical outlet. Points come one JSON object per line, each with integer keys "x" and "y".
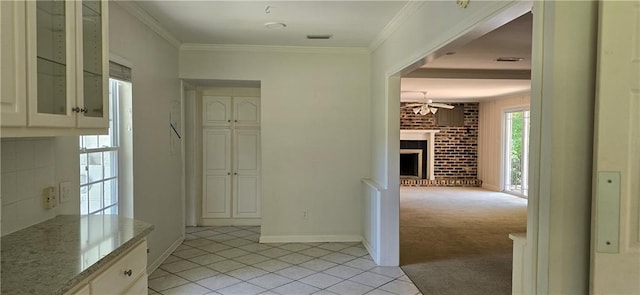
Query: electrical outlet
{"x": 65, "y": 191}
{"x": 49, "y": 197}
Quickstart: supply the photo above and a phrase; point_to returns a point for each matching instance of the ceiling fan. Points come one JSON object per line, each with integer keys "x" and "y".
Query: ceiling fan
{"x": 428, "y": 106}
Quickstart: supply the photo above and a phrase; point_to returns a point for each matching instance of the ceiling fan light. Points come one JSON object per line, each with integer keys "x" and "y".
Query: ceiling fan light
{"x": 433, "y": 110}
{"x": 424, "y": 111}
{"x": 416, "y": 110}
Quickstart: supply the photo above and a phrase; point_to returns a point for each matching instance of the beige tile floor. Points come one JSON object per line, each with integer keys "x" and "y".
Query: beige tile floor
{"x": 230, "y": 261}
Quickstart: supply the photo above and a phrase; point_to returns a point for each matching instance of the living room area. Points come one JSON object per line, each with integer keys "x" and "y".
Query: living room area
{"x": 464, "y": 129}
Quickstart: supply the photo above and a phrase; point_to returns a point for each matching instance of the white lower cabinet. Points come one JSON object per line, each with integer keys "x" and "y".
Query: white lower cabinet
{"x": 127, "y": 275}
{"x": 231, "y": 173}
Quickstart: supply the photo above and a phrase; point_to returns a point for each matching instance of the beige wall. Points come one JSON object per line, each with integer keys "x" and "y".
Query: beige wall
{"x": 314, "y": 133}
{"x": 157, "y": 174}
{"x": 491, "y": 138}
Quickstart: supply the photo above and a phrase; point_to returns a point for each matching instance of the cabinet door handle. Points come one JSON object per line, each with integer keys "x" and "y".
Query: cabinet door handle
{"x": 235, "y": 173}
{"x": 228, "y": 173}
{"x": 75, "y": 110}
{"x": 235, "y": 121}
{"x": 228, "y": 121}
{"x": 84, "y": 110}
{"x": 128, "y": 272}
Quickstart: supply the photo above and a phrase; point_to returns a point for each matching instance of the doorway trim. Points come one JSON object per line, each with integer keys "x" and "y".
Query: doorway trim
{"x": 389, "y": 209}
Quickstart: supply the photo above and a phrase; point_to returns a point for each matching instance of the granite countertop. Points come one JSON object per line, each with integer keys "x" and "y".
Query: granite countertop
{"x": 53, "y": 256}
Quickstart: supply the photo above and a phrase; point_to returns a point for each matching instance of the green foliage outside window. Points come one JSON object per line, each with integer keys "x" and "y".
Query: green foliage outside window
{"x": 516, "y": 148}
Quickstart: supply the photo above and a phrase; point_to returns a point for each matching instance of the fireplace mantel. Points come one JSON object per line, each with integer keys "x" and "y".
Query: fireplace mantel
{"x": 429, "y": 136}
{"x": 418, "y": 134}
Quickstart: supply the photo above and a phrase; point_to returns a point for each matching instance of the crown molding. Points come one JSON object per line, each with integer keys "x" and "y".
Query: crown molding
{"x": 152, "y": 23}
{"x": 404, "y": 13}
{"x": 504, "y": 74}
{"x": 274, "y": 49}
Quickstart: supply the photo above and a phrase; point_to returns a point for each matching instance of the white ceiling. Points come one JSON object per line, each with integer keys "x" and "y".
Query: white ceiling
{"x": 352, "y": 24}
{"x": 461, "y": 90}
{"x": 510, "y": 40}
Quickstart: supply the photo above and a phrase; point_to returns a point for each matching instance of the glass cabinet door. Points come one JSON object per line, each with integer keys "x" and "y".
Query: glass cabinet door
{"x": 52, "y": 57}
{"x": 51, "y": 83}
{"x": 92, "y": 73}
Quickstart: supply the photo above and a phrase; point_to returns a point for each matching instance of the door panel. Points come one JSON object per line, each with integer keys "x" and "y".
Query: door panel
{"x": 216, "y": 111}
{"x": 247, "y": 151}
{"x": 246, "y": 111}
{"x": 615, "y": 270}
{"x": 246, "y": 201}
{"x": 216, "y": 151}
{"x": 217, "y": 197}
{"x": 247, "y": 179}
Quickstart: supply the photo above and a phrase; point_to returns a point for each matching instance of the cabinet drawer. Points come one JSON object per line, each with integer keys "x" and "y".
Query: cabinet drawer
{"x": 122, "y": 274}
{"x": 139, "y": 287}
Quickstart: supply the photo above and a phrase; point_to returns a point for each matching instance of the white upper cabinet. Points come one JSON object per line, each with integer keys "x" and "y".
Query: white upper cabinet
{"x": 216, "y": 111}
{"x": 226, "y": 111}
{"x": 246, "y": 111}
{"x": 13, "y": 101}
{"x": 59, "y": 68}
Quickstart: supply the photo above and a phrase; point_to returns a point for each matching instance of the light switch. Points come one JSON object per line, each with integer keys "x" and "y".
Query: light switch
{"x": 608, "y": 212}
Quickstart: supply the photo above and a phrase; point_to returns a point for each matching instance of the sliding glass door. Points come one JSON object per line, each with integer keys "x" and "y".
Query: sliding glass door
{"x": 516, "y": 152}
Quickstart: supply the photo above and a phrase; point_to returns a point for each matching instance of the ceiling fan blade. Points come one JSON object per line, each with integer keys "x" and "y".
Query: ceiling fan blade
{"x": 413, "y": 105}
{"x": 441, "y": 105}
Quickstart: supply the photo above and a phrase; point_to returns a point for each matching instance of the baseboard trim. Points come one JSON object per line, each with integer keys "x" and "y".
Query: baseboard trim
{"x": 372, "y": 253}
{"x": 310, "y": 239}
{"x": 230, "y": 222}
{"x": 153, "y": 266}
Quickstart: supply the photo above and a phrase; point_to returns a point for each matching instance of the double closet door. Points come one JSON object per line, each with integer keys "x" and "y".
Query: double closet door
{"x": 231, "y": 157}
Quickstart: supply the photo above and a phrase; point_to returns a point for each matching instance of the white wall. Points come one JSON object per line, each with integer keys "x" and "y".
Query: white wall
{"x": 30, "y": 165}
{"x": 157, "y": 175}
{"x": 315, "y": 132}
{"x": 490, "y": 138}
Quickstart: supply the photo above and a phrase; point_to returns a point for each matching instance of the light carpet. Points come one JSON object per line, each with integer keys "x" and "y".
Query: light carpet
{"x": 455, "y": 240}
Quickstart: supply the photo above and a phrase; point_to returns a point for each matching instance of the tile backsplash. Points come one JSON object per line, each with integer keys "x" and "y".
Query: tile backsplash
{"x": 27, "y": 167}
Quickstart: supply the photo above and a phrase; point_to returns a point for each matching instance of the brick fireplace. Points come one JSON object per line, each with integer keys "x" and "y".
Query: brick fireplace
{"x": 452, "y": 150}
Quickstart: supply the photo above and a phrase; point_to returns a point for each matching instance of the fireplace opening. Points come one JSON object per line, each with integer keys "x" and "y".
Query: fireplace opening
{"x": 411, "y": 163}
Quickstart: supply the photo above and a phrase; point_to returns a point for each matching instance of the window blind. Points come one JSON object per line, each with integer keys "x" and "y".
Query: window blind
{"x": 120, "y": 72}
